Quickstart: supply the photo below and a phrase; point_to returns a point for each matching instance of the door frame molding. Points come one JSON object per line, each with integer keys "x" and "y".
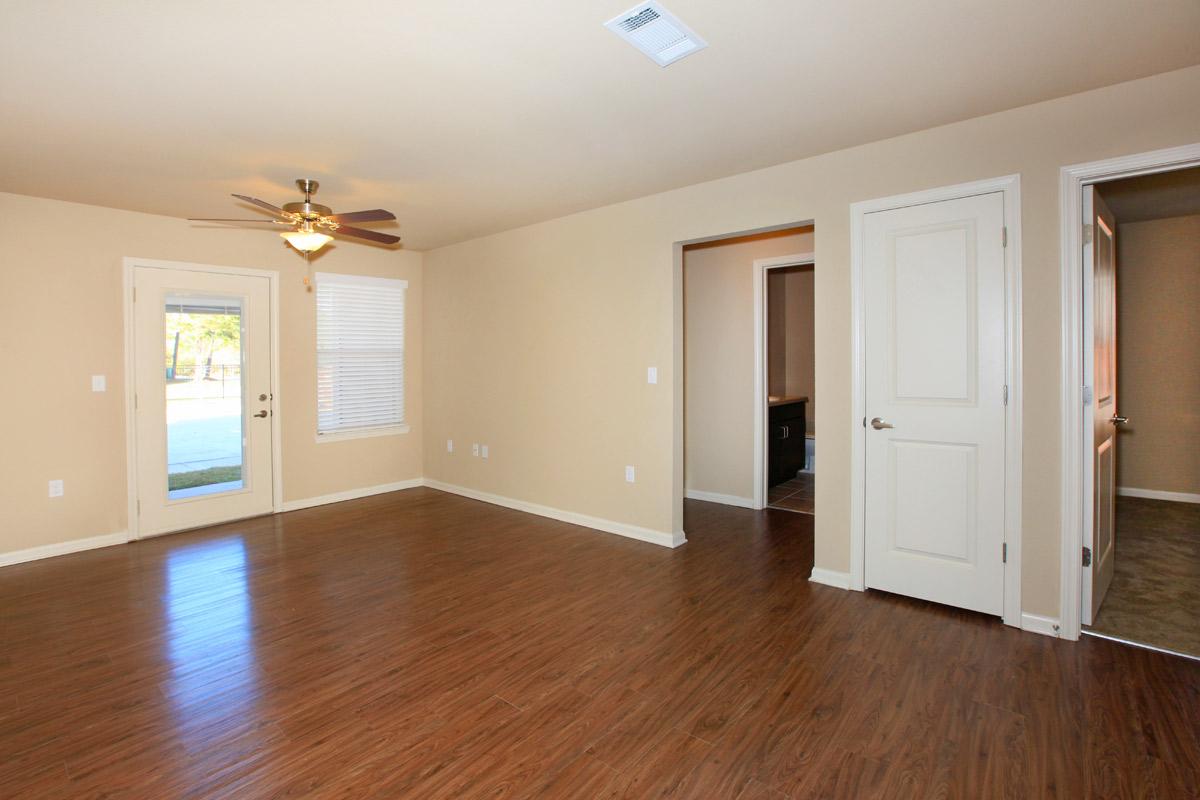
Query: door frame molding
{"x": 128, "y": 263}
{"x": 761, "y": 453}
{"x": 1010, "y": 187}
{"x": 1074, "y": 445}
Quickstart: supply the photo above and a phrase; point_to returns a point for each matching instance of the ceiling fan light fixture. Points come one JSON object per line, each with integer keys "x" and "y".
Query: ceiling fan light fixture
{"x": 306, "y": 241}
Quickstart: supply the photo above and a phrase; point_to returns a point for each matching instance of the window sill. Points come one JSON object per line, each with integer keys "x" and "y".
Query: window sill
{"x": 361, "y": 433}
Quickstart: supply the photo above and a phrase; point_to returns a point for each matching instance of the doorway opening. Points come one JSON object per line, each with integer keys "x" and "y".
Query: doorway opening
{"x": 1078, "y": 414}
{"x": 748, "y": 363}
{"x": 789, "y": 434}
{"x": 1141, "y": 339}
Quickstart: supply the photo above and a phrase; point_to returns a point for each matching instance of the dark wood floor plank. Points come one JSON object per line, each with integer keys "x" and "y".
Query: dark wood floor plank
{"x": 418, "y": 644}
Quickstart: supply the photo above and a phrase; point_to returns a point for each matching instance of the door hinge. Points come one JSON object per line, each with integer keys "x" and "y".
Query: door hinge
{"x": 1087, "y": 233}
{"x": 1004, "y": 553}
{"x": 1004, "y": 236}
{"x": 1087, "y": 395}
{"x": 1006, "y": 394}
{"x": 1087, "y": 556}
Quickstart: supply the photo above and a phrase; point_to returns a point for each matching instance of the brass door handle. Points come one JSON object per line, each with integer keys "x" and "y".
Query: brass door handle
{"x": 1117, "y": 419}
{"x": 261, "y": 414}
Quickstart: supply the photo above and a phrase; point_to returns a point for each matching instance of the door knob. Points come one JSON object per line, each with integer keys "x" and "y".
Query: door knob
{"x": 1119, "y": 420}
{"x": 262, "y": 413}
{"x": 879, "y": 423}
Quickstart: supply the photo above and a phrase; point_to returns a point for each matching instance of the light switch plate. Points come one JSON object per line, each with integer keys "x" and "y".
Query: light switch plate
{"x": 484, "y": 451}
{"x": 56, "y": 488}
{"x": 99, "y": 383}
{"x": 449, "y": 445}
{"x": 629, "y": 474}
{"x": 475, "y": 448}
{"x": 651, "y": 374}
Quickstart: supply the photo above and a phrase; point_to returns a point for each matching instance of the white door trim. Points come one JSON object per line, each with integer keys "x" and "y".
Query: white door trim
{"x": 272, "y": 276}
{"x": 1010, "y": 186}
{"x": 1075, "y": 446}
{"x": 761, "y": 265}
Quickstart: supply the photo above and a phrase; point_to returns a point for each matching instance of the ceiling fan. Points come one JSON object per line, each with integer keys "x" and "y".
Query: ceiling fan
{"x": 310, "y": 220}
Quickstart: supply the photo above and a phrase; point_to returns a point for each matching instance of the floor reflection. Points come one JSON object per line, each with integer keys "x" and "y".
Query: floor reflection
{"x": 210, "y": 633}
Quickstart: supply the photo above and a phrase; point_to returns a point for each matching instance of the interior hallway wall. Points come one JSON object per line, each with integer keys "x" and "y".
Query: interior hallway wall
{"x": 718, "y": 280}
{"x": 62, "y": 323}
{"x": 1158, "y": 354}
{"x": 538, "y": 338}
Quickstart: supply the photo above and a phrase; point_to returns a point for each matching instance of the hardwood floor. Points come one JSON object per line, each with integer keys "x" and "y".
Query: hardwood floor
{"x": 421, "y": 645}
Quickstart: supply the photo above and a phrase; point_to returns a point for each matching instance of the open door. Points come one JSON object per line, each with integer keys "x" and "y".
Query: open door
{"x": 1100, "y": 373}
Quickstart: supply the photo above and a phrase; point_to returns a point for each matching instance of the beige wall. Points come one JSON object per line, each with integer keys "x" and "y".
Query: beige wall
{"x": 718, "y": 280}
{"x": 61, "y": 322}
{"x": 797, "y": 347}
{"x": 538, "y": 338}
{"x": 1158, "y": 354}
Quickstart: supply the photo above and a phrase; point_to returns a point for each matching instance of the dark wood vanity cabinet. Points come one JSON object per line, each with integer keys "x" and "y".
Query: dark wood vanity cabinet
{"x": 786, "y": 426}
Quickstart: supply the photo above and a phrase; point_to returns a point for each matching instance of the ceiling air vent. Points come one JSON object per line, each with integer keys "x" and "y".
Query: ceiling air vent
{"x": 656, "y": 32}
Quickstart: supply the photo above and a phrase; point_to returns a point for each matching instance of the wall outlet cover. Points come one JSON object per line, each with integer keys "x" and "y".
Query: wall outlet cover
{"x": 475, "y": 448}
{"x": 449, "y": 445}
{"x": 99, "y": 383}
{"x": 651, "y": 374}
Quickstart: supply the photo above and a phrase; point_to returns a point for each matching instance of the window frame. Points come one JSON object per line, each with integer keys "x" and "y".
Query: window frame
{"x": 377, "y": 430}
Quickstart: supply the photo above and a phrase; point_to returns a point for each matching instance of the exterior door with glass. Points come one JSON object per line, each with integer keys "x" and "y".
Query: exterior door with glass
{"x": 202, "y": 397}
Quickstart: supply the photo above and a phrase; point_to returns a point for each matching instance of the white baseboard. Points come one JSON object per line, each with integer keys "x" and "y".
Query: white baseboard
{"x": 724, "y": 499}
{"x": 838, "y": 580}
{"x": 62, "y": 548}
{"x": 1038, "y": 624}
{"x": 1155, "y": 494}
{"x": 351, "y": 494}
{"x": 606, "y": 525}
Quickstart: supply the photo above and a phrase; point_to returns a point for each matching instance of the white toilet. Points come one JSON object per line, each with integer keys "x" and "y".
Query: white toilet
{"x": 810, "y": 453}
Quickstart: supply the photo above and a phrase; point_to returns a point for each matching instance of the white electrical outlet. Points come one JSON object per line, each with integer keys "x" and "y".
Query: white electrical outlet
{"x": 99, "y": 384}
{"x": 483, "y": 451}
{"x": 629, "y": 474}
{"x": 56, "y": 488}
{"x": 475, "y": 448}
{"x": 449, "y": 445}
{"x": 651, "y": 374}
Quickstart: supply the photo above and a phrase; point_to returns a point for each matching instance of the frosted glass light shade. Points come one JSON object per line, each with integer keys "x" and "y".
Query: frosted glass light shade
{"x": 306, "y": 241}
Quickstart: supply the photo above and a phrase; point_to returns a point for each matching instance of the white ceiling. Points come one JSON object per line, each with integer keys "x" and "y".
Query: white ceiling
{"x": 471, "y": 117}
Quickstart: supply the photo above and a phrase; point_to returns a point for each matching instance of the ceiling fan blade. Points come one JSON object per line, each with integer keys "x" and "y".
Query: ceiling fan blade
{"x": 265, "y": 206}
{"x": 374, "y": 215}
{"x": 256, "y": 221}
{"x": 363, "y": 233}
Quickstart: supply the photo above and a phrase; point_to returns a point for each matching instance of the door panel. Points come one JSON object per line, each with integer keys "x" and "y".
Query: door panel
{"x": 202, "y": 361}
{"x": 935, "y": 371}
{"x": 1100, "y": 372}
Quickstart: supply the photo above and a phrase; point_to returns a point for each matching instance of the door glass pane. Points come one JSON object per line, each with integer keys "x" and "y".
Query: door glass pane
{"x": 203, "y": 349}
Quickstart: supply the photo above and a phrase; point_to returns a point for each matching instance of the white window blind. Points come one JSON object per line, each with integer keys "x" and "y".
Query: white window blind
{"x": 360, "y": 353}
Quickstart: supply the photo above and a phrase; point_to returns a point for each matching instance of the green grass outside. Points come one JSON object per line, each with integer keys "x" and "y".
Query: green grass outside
{"x": 203, "y": 477}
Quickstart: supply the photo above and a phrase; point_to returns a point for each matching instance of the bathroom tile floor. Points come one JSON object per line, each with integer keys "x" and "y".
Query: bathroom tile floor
{"x": 794, "y": 495}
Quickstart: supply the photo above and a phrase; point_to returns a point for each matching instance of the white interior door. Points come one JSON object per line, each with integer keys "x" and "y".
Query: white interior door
{"x": 202, "y": 404}
{"x": 935, "y": 393}
{"x": 1100, "y": 373}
